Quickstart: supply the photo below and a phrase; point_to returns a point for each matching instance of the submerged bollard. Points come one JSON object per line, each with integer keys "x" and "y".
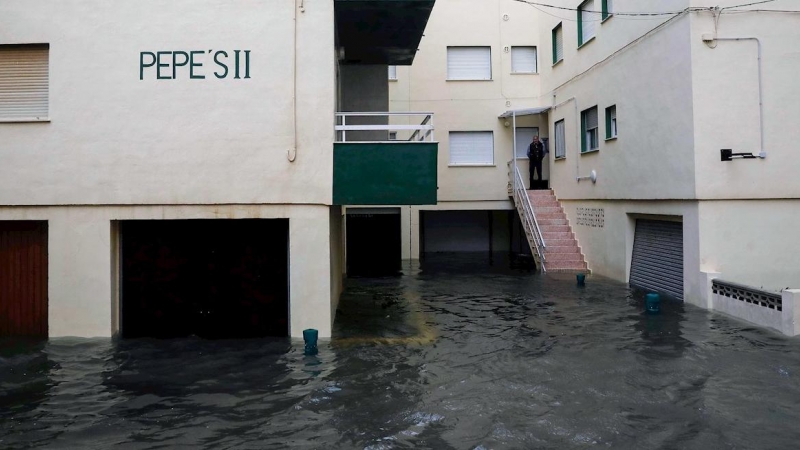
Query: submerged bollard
{"x": 581, "y": 279}
{"x": 653, "y": 303}
{"x": 310, "y": 337}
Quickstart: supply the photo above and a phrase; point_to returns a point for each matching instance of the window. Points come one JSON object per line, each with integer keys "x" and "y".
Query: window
{"x": 608, "y": 7}
{"x": 393, "y": 135}
{"x": 393, "y": 72}
{"x": 471, "y": 148}
{"x": 589, "y": 138}
{"x": 523, "y": 59}
{"x": 558, "y": 44}
{"x": 469, "y": 63}
{"x": 587, "y": 19}
{"x": 561, "y": 145}
{"x": 24, "y": 82}
{"x": 611, "y": 122}
{"x": 524, "y": 137}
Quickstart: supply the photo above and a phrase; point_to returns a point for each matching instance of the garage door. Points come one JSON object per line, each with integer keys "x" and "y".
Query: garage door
{"x": 23, "y": 278}
{"x": 657, "y": 263}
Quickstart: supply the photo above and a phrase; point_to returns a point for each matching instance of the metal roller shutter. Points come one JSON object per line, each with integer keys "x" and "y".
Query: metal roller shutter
{"x": 657, "y": 263}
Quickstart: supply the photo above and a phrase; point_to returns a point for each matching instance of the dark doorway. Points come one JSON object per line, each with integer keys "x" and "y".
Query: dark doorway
{"x": 210, "y": 278}
{"x": 373, "y": 242}
{"x": 23, "y": 278}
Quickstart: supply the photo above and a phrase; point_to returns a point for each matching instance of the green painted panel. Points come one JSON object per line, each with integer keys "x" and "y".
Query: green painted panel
{"x": 385, "y": 173}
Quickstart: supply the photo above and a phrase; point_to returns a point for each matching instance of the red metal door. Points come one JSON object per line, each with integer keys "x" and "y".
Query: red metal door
{"x": 23, "y": 278}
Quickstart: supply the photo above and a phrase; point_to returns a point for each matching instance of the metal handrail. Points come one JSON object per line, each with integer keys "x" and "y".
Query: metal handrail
{"x": 424, "y": 130}
{"x": 529, "y": 216}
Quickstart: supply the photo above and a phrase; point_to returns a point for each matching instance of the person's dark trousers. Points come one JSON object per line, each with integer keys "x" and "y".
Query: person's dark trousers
{"x": 534, "y": 166}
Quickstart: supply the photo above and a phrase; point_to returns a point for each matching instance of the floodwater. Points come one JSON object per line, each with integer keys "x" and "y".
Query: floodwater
{"x": 471, "y": 356}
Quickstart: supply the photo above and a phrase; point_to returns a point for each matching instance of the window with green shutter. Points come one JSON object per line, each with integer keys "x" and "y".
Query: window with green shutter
{"x": 558, "y": 44}
{"x": 611, "y": 122}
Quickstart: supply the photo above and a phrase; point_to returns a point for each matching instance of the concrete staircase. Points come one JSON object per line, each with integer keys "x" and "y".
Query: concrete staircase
{"x": 562, "y": 253}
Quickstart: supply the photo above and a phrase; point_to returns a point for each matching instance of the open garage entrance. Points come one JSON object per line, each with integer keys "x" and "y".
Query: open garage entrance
{"x": 23, "y": 278}
{"x": 210, "y": 278}
{"x": 373, "y": 242}
{"x": 473, "y": 239}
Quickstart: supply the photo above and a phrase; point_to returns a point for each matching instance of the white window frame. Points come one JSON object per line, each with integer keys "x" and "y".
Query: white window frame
{"x": 515, "y": 63}
{"x": 560, "y": 137}
{"x": 392, "y": 73}
{"x": 487, "y": 160}
{"x": 25, "y": 83}
{"x": 452, "y": 73}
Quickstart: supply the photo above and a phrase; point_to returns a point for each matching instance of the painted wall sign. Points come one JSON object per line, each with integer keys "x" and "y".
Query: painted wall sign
{"x": 194, "y": 64}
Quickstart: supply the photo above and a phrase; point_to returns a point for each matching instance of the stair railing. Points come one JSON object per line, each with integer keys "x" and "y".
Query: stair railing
{"x": 528, "y": 217}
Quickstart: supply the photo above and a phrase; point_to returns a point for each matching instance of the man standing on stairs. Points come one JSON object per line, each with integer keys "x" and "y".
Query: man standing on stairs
{"x": 535, "y": 156}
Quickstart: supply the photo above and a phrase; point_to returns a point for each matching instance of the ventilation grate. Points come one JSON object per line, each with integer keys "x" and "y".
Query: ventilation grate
{"x": 747, "y": 294}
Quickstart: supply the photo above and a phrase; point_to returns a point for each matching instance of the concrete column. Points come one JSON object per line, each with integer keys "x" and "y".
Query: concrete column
{"x": 80, "y": 274}
{"x": 409, "y": 217}
{"x": 791, "y": 312}
{"x": 310, "y": 272}
{"x": 707, "y": 298}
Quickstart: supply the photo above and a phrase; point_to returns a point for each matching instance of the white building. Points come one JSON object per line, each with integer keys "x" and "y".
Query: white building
{"x": 644, "y": 95}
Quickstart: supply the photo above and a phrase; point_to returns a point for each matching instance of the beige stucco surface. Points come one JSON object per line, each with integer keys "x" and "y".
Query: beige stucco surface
{"x": 751, "y": 242}
{"x": 115, "y": 139}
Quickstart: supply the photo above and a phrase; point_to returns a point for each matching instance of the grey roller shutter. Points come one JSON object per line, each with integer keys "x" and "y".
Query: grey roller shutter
{"x": 657, "y": 263}
{"x": 24, "y": 82}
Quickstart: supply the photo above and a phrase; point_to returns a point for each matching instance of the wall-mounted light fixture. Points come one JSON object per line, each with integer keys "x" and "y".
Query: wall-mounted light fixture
{"x": 727, "y": 154}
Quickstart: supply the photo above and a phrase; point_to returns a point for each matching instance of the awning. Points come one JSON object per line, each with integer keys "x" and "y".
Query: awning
{"x": 524, "y": 112}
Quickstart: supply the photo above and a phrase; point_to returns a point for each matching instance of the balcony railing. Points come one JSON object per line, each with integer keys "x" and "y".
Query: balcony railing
{"x": 384, "y": 126}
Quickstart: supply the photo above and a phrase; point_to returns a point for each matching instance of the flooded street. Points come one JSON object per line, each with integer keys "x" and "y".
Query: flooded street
{"x": 452, "y": 355}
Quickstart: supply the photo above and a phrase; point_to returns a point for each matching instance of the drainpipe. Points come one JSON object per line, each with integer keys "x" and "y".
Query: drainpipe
{"x": 762, "y": 153}
{"x": 292, "y": 153}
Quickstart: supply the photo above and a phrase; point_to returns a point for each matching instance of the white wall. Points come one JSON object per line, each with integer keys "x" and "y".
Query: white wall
{"x": 82, "y": 292}
{"x": 726, "y": 103}
{"x": 650, "y": 84}
{"x": 116, "y": 139}
{"x": 751, "y": 242}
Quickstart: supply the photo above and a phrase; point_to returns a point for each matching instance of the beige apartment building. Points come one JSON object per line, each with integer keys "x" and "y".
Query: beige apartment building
{"x": 638, "y": 99}
{"x": 177, "y": 168}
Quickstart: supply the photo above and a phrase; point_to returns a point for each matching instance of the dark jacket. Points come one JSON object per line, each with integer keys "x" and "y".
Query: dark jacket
{"x": 536, "y": 151}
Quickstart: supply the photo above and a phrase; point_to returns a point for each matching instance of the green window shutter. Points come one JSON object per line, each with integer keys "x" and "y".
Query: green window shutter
{"x": 555, "y": 55}
{"x": 580, "y": 26}
{"x": 583, "y": 132}
{"x": 605, "y": 9}
{"x": 608, "y": 122}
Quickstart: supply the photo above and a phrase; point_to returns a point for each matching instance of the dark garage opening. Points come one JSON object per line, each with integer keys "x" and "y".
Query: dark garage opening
{"x": 209, "y": 278}
{"x": 473, "y": 240}
{"x": 373, "y": 242}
